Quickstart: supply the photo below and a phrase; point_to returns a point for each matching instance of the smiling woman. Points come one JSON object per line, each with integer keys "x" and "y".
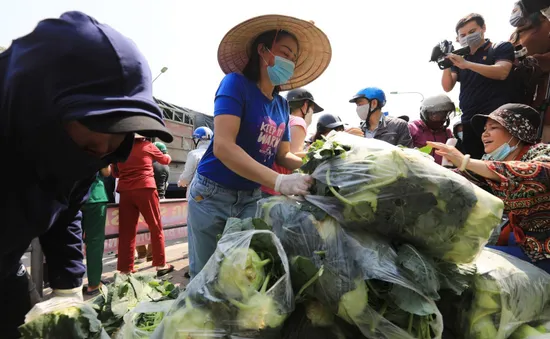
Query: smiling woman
{"x": 517, "y": 170}
{"x": 261, "y": 57}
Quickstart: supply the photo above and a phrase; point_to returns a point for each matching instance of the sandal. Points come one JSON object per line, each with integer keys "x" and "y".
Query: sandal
{"x": 165, "y": 271}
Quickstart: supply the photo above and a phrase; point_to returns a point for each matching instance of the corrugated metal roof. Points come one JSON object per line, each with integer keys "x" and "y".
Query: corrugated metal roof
{"x": 184, "y": 115}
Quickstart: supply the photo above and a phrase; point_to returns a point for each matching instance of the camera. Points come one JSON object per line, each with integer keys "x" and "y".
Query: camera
{"x": 441, "y": 50}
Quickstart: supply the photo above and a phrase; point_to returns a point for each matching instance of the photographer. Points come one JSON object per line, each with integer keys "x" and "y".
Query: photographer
{"x": 532, "y": 31}
{"x": 482, "y": 75}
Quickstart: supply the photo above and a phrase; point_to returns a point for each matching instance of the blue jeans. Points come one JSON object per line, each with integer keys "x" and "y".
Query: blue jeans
{"x": 514, "y": 250}
{"x": 210, "y": 205}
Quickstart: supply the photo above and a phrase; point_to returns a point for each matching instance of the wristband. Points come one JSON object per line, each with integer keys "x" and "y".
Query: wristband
{"x": 278, "y": 183}
{"x": 465, "y": 162}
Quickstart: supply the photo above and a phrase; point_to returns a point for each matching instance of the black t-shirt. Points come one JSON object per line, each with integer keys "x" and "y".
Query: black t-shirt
{"x": 478, "y": 94}
{"x": 162, "y": 172}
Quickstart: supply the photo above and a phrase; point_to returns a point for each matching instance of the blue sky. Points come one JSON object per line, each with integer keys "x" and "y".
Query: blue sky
{"x": 375, "y": 43}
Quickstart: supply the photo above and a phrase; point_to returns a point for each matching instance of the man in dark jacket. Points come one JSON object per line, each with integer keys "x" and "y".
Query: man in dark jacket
{"x": 72, "y": 94}
{"x": 374, "y": 123}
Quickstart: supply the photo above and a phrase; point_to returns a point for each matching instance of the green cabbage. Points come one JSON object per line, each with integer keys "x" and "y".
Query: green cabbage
{"x": 241, "y": 273}
{"x": 259, "y": 312}
{"x": 189, "y": 323}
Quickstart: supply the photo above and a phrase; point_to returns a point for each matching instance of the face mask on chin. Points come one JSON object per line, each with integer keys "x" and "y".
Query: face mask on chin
{"x": 502, "y": 152}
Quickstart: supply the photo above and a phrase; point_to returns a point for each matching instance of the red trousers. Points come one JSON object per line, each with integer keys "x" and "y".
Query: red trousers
{"x": 132, "y": 203}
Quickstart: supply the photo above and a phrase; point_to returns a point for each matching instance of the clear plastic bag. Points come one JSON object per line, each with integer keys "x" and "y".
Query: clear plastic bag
{"x": 357, "y": 276}
{"x": 244, "y": 291}
{"x": 510, "y": 298}
{"x": 61, "y": 317}
{"x": 134, "y": 328}
{"x": 403, "y": 195}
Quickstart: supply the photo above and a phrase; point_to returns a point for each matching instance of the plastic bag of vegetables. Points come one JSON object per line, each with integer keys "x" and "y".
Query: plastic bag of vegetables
{"x": 403, "y": 195}
{"x": 62, "y": 318}
{"x": 357, "y": 277}
{"x": 509, "y": 299}
{"x": 142, "y": 321}
{"x": 244, "y": 291}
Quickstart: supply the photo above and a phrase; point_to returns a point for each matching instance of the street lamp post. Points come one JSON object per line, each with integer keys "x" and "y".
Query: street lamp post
{"x": 422, "y": 95}
{"x": 163, "y": 70}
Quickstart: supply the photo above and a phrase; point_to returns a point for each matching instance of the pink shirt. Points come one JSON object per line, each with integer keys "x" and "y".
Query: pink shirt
{"x": 293, "y": 121}
{"x": 421, "y": 134}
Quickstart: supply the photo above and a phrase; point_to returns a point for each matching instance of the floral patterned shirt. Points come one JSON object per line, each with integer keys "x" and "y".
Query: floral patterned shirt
{"x": 525, "y": 190}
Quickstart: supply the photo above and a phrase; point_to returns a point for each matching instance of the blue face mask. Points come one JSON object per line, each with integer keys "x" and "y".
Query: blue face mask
{"x": 460, "y": 135}
{"x": 501, "y": 153}
{"x": 281, "y": 71}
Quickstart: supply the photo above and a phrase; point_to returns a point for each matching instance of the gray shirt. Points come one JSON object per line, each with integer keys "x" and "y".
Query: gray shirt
{"x": 391, "y": 130}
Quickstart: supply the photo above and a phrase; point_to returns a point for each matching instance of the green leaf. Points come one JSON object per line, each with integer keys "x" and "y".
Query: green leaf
{"x": 412, "y": 302}
{"x": 426, "y": 149}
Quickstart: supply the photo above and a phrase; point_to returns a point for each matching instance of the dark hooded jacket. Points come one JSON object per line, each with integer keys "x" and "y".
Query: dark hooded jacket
{"x": 65, "y": 70}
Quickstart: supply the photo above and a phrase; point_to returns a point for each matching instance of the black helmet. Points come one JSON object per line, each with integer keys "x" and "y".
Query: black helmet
{"x": 330, "y": 121}
{"x": 437, "y": 104}
{"x": 300, "y": 94}
{"x": 404, "y": 117}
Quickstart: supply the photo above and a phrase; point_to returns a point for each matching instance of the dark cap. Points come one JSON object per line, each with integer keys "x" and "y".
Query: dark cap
{"x": 300, "y": 94}
{"x": 79, "y": 69}
{"x": 521, "y": 121}
{"x": 124, "y": 124}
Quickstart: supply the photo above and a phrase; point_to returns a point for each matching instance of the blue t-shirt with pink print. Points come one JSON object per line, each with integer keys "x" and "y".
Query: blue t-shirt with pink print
{"x": 264, "y": 124}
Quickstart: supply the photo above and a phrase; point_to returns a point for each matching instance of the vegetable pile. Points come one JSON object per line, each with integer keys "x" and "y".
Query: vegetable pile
{"x": 75, "y": 319}
{"x": 509, "y": 298}
{"x": 355, "y": 276}
{"x": 104, "y": 315}
{"x": 244, "y": 291}
{"x": 403, "y": 195}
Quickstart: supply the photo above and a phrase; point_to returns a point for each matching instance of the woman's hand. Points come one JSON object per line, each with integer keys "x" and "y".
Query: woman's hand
{"x": 448, "y": 152}
{"x": 355, "y": 131}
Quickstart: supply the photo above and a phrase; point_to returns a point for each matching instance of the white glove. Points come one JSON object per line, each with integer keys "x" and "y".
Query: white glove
{"x": 293, "y": 184}
{"x": 61, "y": 299}
{"x": 75, "y": 293}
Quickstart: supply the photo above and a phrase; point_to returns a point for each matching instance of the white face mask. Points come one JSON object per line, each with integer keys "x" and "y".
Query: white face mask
{"x": 546, "y": 12}
{"x": 363, "y": 111}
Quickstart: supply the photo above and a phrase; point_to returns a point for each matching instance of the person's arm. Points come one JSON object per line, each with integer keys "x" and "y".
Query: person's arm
{"x": 285, "y": 158}
{"x": 404, "y": 136}
{"x": 297, "y": 137}
{"x": 504, "y": 58}
{"x": 114, "y": 171}
{"x": 105, "y": 171}
{"x": 500, "y": 175}
{"x": 499, "y": 71}
{"x": 157, "y": 155}
{"x": 189, "y": 170}
{"x": 449, "y": 79}
{"x": 62, "y": 243}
